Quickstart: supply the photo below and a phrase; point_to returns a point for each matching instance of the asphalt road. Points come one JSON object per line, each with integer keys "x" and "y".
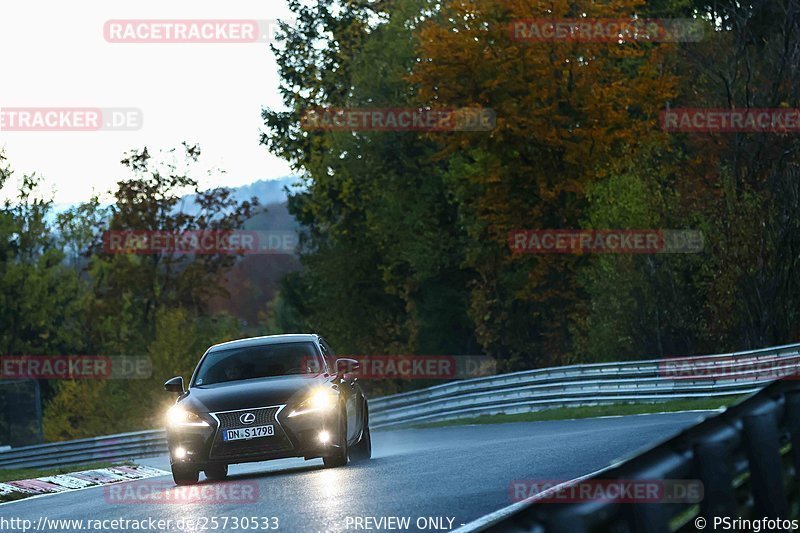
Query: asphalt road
{"x": 457, "y": 474}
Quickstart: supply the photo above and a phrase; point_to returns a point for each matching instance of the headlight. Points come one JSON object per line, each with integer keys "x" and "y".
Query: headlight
{"x": 320, "y": 400}
{"x": 178, "y": 416}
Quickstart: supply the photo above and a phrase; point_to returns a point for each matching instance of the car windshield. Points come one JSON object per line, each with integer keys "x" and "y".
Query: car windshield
{"x": 252, "y": 362}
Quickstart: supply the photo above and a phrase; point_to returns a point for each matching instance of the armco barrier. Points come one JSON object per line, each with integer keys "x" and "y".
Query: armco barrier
{"x": 576, "y": 385}
{"x": 519, "y": 392}
{"x": 109, "y": 448}
{"x": 747, "y": 459}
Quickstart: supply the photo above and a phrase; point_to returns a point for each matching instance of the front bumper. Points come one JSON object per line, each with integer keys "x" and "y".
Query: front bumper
{"x": 296, "y": 436}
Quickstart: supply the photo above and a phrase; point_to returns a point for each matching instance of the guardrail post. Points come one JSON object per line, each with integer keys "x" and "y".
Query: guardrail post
{"x": 566, "y": 520}
{"x": 762, "y": 444}
{"x": 650, "y": 517}
{"x": 715, "y": 470}
{"x": 793, "y": 424}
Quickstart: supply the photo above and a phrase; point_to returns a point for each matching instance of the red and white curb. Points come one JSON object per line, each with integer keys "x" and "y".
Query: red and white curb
{"x": 12, "y": 491}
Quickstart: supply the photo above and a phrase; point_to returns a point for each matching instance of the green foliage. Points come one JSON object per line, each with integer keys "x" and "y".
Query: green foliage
{"x": 404, "y": 246}
{"x": 38, "y": 304}
{"x": 407, "y": 232}
{"x": 382, "y": 263}
{"x": 61, "y": 294}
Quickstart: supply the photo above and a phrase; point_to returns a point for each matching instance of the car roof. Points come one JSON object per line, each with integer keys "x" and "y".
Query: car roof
{"x": 266, "y": 339}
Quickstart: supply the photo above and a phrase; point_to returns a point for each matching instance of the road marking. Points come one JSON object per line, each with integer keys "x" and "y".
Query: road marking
{"x": 494, "y": 518}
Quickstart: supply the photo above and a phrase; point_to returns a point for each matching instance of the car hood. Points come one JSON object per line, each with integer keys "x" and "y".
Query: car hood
{"x": 250, "y": 393}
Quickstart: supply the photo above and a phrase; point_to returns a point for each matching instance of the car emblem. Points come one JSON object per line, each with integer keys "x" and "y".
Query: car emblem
{"x": 247, "y": 418}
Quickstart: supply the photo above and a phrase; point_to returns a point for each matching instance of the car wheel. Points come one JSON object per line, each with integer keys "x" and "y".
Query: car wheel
{"x": 185, "y": 475}
{"x": 338, "y": 456}
{"x": 363, "y": 448}
{"x": 216, "y": 472}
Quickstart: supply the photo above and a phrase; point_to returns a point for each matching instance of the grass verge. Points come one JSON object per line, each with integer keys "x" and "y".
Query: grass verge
{"x": 566, "y": 413}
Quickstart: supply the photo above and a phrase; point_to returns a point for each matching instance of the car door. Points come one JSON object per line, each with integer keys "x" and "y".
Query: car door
{"x": 350, "y": 388}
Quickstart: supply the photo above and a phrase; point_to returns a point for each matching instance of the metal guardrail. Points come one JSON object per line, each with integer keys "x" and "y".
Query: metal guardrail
{"x": 581, "y": 385}
{"x": 519, "y": 392}
{"x": 747, "y": 459}
{"x": 119, "y": 447}
{"x": 646, "y": 368}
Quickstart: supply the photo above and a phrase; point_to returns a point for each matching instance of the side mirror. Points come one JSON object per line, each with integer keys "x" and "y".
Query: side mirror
{"x": 174, "y": 385}
{"x": 345, "y": 365}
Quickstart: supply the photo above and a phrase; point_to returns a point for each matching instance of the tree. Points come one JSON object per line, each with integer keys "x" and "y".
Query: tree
{"x": 569, "y": 114}
{"x": 154, "y": 305}
{"x": 382, "y": 253}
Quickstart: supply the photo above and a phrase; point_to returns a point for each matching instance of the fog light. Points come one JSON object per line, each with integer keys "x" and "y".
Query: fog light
{"x": 179, "y": 453}
{"x": 324, "y": 437}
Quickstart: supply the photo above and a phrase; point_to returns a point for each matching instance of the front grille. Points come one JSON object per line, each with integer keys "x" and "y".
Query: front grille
{"x": 258, "y": 446}
{"x": 264, "y": 416}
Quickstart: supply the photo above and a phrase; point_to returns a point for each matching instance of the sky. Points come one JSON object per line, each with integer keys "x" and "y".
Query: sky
{"x": 54, "y": 55}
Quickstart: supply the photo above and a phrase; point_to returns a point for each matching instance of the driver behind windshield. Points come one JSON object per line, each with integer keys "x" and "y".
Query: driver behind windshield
{"x": 255, "y": 362}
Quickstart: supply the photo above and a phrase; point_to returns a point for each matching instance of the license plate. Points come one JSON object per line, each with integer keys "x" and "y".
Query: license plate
{"x": 248, "y": 433}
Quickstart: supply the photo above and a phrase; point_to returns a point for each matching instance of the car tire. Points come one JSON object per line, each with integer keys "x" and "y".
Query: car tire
{"x": 362, "y": 451}
{"x": 338, "y": 457}
{"x": 216, "y": 472}
{"x": 185, "y": 475}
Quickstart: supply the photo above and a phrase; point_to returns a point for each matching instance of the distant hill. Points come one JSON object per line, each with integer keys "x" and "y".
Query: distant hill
{"x": 267, "y": 192}
{"x": 254, "y": 280}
